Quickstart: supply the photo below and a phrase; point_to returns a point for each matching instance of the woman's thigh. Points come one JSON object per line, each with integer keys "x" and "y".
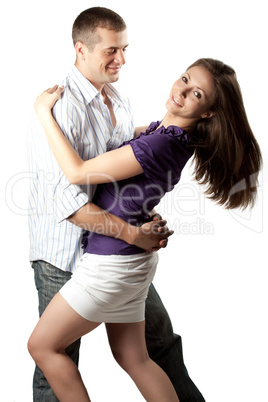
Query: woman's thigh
{"x": 60, "y": 325}
{"x": 127, "y": 342}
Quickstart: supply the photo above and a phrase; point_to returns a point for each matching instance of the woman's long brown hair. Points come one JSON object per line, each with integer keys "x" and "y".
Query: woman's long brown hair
{"x": 227, "y": 156}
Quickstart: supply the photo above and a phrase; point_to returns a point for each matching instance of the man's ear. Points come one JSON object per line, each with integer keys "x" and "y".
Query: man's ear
{"x": 207, "y": 115}
{"x": 80, "y": 49}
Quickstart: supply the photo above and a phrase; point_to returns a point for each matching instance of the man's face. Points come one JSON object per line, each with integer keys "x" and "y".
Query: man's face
{"x": 102, "y": 65}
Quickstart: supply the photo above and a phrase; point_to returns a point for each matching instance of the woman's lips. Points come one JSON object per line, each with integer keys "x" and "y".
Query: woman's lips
{"x": 176, "y": 101}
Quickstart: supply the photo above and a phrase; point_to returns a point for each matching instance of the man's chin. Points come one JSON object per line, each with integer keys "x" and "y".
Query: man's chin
{"x": 113, "y": 77}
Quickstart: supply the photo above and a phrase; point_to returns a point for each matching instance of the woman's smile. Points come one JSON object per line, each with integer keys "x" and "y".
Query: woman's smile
{"x": 176, "y": 101}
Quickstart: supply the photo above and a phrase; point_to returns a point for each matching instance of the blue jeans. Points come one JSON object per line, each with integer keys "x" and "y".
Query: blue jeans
{"x": 164, "y": 347}
{"x": 48, "y": 281}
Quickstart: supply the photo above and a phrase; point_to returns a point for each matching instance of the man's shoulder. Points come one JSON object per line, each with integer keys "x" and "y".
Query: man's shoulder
{"x": 119, "y": 97}
{"x": 71, "y": 98}
{"x": 73, "y": 91}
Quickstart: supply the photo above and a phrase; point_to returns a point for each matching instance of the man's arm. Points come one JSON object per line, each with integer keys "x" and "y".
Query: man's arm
{"x": 150, "y": 235}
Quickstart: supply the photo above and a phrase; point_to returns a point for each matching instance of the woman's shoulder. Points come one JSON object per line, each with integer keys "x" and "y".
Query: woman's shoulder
{"x": 158, "y": 132}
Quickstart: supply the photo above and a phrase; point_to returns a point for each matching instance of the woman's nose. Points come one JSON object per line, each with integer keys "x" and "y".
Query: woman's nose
{"x": 181, "y": 92}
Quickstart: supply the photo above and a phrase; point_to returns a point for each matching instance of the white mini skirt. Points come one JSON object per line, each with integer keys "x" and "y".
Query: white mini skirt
{"x": 111, "y": 288}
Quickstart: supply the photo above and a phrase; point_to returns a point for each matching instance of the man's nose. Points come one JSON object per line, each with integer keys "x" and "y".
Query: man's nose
{"x": 120, "y": 57}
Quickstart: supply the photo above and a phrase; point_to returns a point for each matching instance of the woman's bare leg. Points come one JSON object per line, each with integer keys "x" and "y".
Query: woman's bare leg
{"x": 58, "y": 327}
{"x": 128, "y": 345}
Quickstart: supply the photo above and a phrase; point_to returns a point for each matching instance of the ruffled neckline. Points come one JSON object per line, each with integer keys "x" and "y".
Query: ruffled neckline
{"x": 173, "y": 130}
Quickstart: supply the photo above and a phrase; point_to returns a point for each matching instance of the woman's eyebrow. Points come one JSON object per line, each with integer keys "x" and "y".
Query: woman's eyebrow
{"x": 196, "y": 87}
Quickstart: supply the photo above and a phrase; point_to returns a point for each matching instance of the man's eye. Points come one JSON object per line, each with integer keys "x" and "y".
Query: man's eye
{"x": 197, "y": 94}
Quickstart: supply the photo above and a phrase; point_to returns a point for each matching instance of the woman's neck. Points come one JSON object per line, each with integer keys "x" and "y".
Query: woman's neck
{"x": 187, "y": 125}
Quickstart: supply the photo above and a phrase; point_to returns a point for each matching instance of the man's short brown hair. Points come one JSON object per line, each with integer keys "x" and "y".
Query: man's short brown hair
{"x": 85, "y": 25}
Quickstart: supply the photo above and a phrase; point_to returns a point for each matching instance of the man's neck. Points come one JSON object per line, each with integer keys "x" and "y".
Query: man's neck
{"x": 97, "y": 85}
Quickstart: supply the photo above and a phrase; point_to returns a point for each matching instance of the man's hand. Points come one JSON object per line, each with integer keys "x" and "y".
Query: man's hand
{"x": 152, "y": 236}
{"x": 163, "y": 243}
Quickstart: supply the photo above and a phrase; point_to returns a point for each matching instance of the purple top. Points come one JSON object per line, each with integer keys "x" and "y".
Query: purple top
{"x": 162, "y": 153}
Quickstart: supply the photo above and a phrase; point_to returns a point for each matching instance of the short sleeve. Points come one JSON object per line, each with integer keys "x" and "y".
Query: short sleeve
{"x": 68, "y": 199}
{"x": 160, "y": 154}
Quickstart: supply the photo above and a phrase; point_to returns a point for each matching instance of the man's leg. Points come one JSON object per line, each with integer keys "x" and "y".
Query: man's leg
{"x": 165, "y": 348}
{"x": 49, "y": 280}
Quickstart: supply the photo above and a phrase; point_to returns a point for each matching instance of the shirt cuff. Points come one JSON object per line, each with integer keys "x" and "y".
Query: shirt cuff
{"x": 70, "y": 200}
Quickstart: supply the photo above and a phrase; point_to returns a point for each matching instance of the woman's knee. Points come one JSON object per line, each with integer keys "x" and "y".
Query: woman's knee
{"x": 33, "y": 345}
{"x": 129, "y": 360}
{"x": 37, "y": 348}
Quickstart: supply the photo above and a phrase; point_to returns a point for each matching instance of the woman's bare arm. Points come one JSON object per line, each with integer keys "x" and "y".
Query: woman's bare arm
{"x": 139, "y": 130}
{"x": 114, "y": 165}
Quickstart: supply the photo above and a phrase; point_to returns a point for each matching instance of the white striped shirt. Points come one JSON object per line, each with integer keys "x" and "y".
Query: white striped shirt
{"x": 86, "y": 121}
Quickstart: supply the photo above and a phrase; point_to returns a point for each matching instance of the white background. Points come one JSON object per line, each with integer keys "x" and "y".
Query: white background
{"x": 212, "y": 277}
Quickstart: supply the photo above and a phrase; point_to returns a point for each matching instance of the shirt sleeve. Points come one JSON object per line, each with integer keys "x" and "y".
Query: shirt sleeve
{"x": 68, "y": 198}
{"x": 159, "y": 155}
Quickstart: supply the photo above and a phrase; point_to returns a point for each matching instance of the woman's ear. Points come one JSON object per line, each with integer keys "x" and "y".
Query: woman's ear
{"x": 207, "y": 115}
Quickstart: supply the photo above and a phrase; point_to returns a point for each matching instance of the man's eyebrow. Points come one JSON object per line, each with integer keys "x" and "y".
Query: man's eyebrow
{"x": 196, "y": 87}
{"x": 116, "y": 47}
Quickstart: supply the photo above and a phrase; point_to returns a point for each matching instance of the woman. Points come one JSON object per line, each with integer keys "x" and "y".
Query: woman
{"x": 205, "y": 118}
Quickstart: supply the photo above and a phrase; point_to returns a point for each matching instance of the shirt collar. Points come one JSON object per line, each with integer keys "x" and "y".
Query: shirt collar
{"x": 89, "y": 91}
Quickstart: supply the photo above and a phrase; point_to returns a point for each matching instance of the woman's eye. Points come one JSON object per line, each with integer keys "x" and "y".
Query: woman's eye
{"x": 184, "y": 79}
{"x": 197, "y": 94}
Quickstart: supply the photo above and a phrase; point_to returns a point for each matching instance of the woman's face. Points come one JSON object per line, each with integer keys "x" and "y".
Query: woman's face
{"x": 191, "y": 96}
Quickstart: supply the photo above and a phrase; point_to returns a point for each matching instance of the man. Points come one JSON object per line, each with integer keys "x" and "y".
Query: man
{"x": 95, "y": 118}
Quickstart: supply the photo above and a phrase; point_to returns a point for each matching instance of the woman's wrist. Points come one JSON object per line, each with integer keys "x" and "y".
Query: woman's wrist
{"x": 44, "y": 115}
